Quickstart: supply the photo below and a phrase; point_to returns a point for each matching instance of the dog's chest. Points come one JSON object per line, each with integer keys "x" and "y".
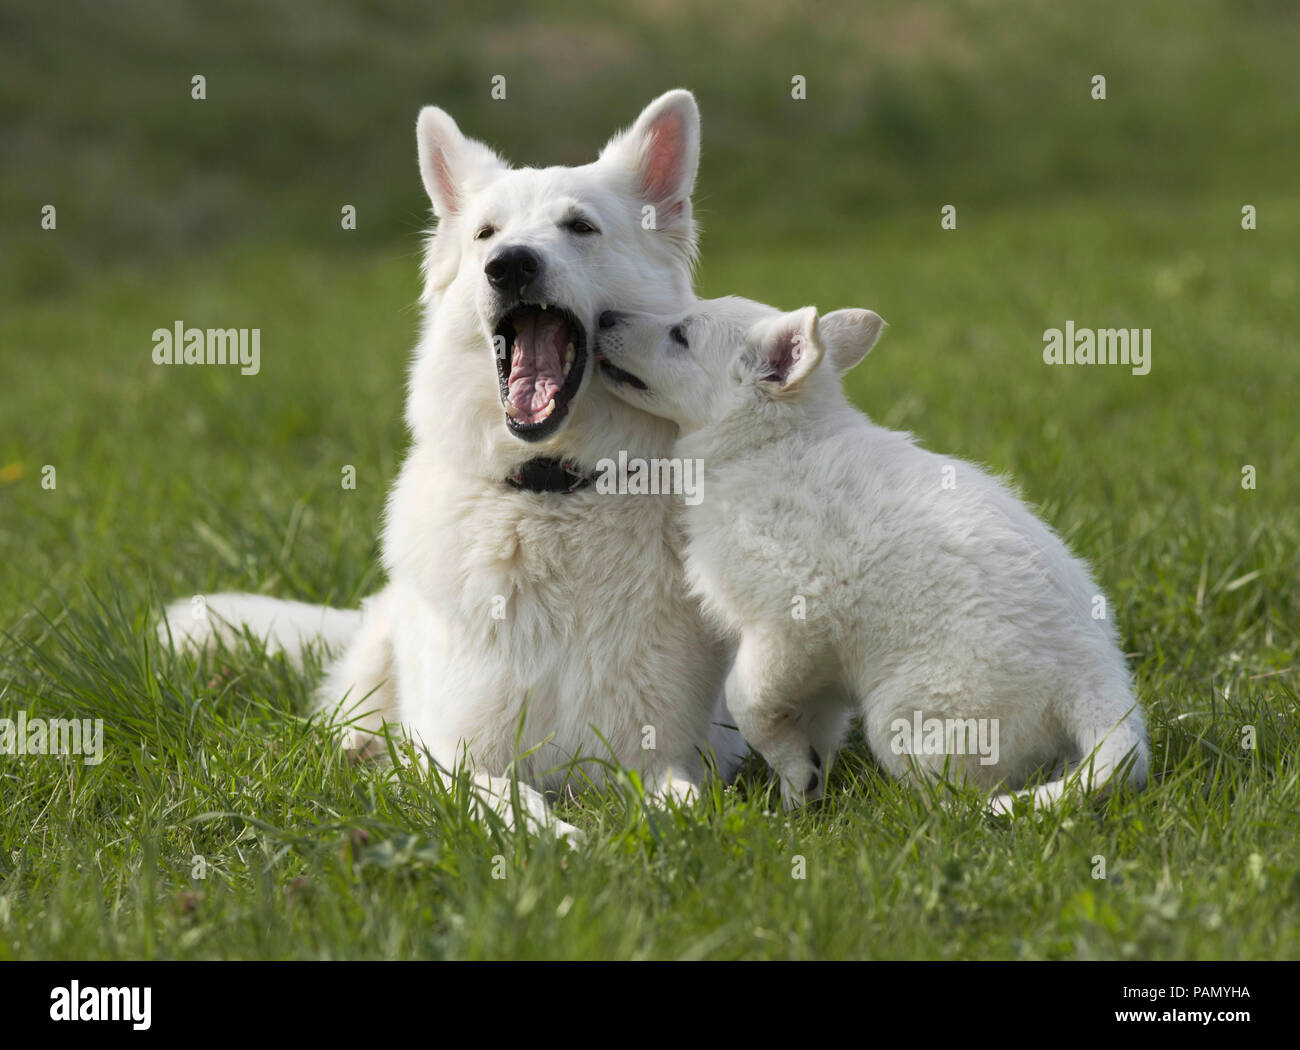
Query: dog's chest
{"x": 546, "y": 553}
{"x": 573, "y": 606}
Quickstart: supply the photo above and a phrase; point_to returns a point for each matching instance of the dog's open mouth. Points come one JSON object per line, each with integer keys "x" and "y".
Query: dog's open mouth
{"x": 545, "y": 355}
{"x": 613, "y": 372}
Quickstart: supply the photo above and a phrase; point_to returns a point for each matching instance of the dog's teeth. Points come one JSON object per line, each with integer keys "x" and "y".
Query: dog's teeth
{"x": 568, "y": 359}
{"x": 543, "y": 306}
{"x": 511, "y": 411}
{"x": 548, "y": 410}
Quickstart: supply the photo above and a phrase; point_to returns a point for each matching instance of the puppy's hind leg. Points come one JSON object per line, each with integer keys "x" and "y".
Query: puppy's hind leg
{"x": 1111, "y": 739}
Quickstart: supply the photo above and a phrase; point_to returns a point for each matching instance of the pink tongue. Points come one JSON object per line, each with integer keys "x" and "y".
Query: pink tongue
{"x": 536, "y": 364}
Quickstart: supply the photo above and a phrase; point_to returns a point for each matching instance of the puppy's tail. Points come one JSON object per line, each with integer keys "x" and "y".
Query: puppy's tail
{"x": 1113, "y": 754}
{"x": 206, "y": 620}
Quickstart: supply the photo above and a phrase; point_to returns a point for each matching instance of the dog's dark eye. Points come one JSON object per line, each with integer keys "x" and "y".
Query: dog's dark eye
{"x": 580, "y": 226}
{"x": 678, "y": 335}
{"x": 484, "y": 232}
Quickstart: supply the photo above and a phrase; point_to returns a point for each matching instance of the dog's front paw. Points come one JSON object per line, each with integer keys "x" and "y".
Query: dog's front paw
{"x": 574, "y": 836}
{"x": 671, "y": 785}
{"x": 1005, "y": 805}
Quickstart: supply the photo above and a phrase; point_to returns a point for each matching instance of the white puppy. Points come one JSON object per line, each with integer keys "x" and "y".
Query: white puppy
{"x": 858, "y": 570}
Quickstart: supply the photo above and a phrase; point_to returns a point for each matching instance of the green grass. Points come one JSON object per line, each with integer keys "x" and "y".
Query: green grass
{"x": 172, "y": 484}
{"x": 184, "y": 481}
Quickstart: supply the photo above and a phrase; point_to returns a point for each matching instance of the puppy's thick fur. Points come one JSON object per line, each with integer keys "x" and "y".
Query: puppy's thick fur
{"x": 860, "y": 571}
{"x": 565, "y": 614}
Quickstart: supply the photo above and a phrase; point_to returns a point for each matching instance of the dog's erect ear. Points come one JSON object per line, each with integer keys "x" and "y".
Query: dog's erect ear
{"x": 789, "y": 348}
{"x": 449, "y": 161}
{"x": 662, "y": 152}
{"x": 849, "y": 335}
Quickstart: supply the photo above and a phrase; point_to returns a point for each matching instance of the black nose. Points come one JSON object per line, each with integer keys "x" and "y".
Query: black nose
{"x": 609, "y": 319}
{"x": 513, "y": 269}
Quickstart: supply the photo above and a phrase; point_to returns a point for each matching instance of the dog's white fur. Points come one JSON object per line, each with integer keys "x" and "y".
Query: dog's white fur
{"x": 951, "y": 600}
{"x": 600, "y": 650}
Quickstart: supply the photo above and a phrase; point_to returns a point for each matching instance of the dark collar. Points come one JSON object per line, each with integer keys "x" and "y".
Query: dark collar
{"x": 548, "y": 475}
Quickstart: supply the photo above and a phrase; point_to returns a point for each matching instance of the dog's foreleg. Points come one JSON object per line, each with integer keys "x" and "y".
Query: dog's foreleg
{"x": 727, "y": 747}
{"x": 773, "y": 693}
{"x": 496, "y": 794}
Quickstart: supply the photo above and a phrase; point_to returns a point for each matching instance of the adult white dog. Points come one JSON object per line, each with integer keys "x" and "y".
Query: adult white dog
{"x": 860, "y": 571}
{"x": 527, "y": 613}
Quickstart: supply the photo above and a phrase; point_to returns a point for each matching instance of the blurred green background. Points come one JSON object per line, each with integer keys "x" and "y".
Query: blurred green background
{"x": 982, "y": 102}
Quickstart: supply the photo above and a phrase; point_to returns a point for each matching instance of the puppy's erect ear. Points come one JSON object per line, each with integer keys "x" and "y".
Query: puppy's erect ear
{"x": 449, "y": 162}
{"x": 789, "y": 348}
{"x": 849, "y": 335}
{"x": 661, "y": 151}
